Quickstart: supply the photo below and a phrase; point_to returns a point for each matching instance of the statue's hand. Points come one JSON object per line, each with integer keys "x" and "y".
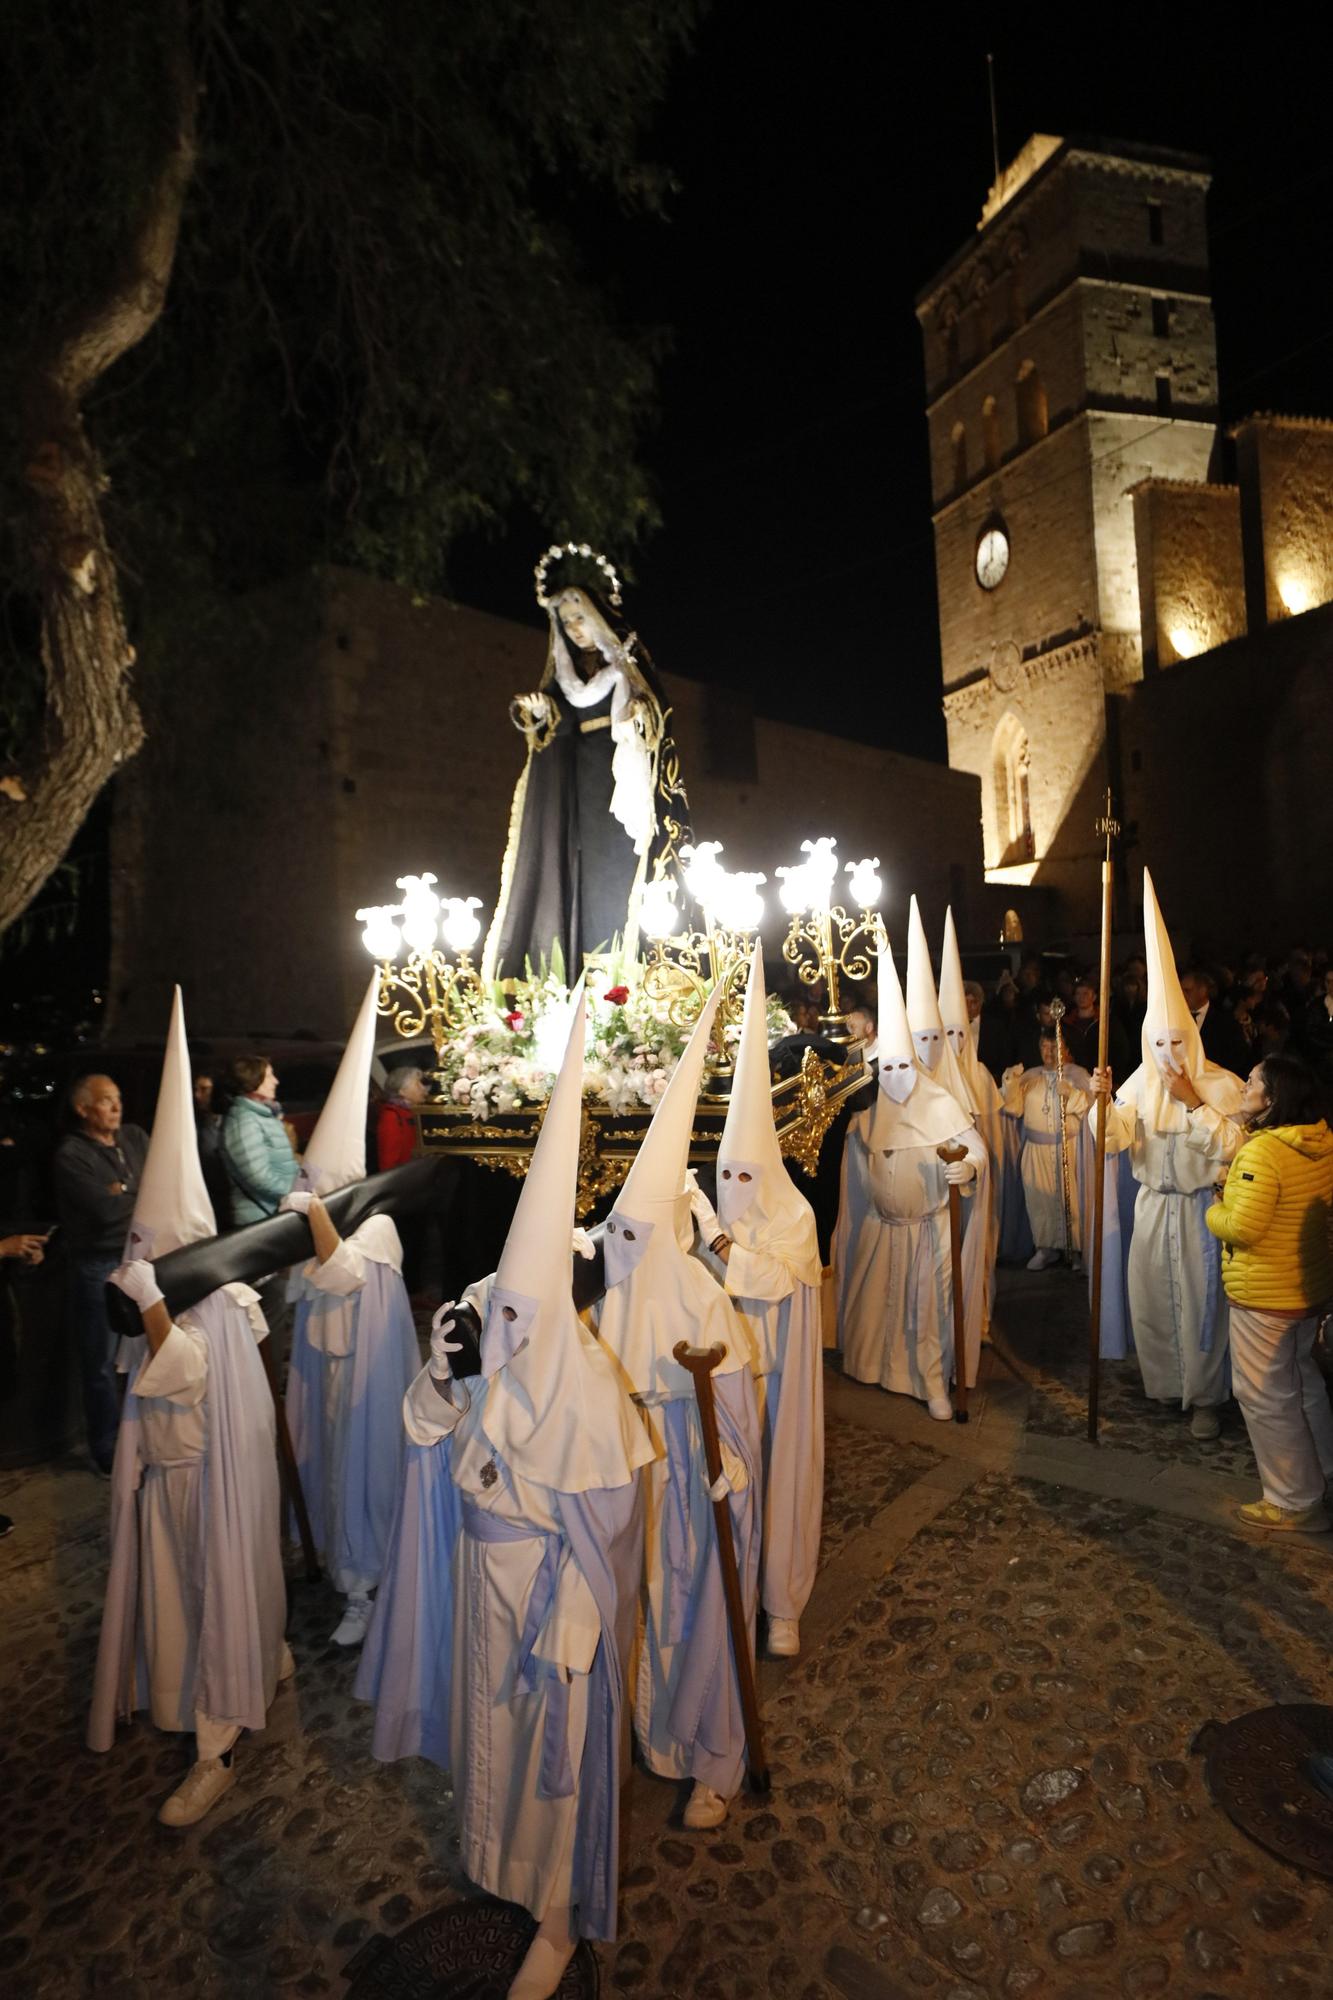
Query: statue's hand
{"x": 531, "y": 711}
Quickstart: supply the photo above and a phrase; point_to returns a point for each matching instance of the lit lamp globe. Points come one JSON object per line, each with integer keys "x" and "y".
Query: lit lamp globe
{"x": 740, "y": 907}
{"x": 658, "y": 915}
{"x": 702, "y": 872}
{"x": 380, "y": 935}
{"x": 822, "y": 868}
{"x": 461, "y": 928}
{"x": 866, "y": 887}
{"x": 420, "y": 908}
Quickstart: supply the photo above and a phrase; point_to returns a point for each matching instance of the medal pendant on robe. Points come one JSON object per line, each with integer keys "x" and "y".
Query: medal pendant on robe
{"x": 489, "y": 1475}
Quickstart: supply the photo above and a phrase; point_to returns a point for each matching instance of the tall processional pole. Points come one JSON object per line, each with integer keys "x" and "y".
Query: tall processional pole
{"x": 1108, "y": 827}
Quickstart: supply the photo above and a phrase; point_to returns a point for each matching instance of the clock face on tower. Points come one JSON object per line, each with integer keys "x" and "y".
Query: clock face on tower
{"x": 992, "y": 557}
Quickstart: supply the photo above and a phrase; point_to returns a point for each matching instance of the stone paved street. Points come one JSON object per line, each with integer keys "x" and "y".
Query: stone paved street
{"x": 983, "y": 1776}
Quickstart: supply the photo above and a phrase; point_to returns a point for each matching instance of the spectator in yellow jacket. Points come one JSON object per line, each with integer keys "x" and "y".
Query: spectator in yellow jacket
{"x": 1275, "y": 1223}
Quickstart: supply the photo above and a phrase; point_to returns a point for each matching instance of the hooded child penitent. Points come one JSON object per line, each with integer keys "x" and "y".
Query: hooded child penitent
{"x": 500, "y": 1641}
{"x": 195, "y": 1607}
{"x": 354, "y": 1348}
{"x": 896, "y": 1305}
{"x": 687, "y": 1712}
{"x": 1176, "y": 1144}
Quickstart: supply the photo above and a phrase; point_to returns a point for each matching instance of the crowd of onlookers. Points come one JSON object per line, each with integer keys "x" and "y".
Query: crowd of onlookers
{"x": 1256, "y": 1007}
{"x": 72, "y": 1192}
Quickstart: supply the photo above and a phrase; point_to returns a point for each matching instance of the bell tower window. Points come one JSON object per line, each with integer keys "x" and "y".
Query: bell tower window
{"x": 1033, "y": 418}
{"x": 1012, "y": 781}
{"x": 990, "y": 433}
{"x": 958, "y": 439}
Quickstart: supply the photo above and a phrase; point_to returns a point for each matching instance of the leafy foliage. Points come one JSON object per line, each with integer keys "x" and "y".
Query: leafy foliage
{"x": 379, "y": 331}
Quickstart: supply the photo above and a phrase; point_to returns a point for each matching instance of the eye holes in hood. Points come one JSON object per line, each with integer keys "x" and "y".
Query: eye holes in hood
{"x": 624, "y": 1243}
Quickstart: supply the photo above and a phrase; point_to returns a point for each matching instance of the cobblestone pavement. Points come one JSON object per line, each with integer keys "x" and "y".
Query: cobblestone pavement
{"x": 983, "y": 1777}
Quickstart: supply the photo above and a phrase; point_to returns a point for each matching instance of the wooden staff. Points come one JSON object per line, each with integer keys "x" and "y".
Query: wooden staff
{"x": 291, "y": 1478}
{"x": 949, "y": 1154}
{"x": 701, "y": 1361}
{"x": 1109, "y": 827}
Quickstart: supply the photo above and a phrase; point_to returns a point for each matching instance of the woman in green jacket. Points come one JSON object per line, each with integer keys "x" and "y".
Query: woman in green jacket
{"x": 1274, "y": 1221}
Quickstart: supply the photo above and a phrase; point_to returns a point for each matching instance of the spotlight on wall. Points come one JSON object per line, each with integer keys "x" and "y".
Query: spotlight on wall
{"x": 1296, "y": 593}
{"x": 1185, "y": 642}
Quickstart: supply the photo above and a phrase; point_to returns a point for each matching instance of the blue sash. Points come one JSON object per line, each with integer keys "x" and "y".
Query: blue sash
{"x": 556, "y": 1779}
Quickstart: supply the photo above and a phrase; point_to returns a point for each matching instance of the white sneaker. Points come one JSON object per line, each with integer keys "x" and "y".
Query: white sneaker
{"x": 784, "y": 1638}
{"x": 1042, "y": 1260}
{"x": 941, "y": 1409}
{"x": 1205, "y": 1423}
{"x": 355, "y": 1619}
{"x": 706, "y": 1807}
{"x": 204, "y": 1784}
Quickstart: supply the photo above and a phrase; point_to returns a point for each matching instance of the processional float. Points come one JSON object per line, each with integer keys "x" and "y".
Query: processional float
{"x": 601, "y": 802}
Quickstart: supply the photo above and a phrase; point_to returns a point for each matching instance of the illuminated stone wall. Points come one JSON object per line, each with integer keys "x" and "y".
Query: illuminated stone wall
{"x": 1070, "y": 354}
{"x": 1190, "y": 568}
{"x": 1286, "y": 472}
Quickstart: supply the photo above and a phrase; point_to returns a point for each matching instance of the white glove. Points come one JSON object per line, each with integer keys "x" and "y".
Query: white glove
{"x": 959, "y": 1172}
{"x": 138, "y": 1281}
{"x": 583, "y": 1244}
{"x": 296, "y": 1203}
{"x": 440, "y": 1347}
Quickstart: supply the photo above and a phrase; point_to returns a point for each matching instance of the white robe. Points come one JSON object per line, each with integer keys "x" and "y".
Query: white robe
{"x": 515, "y": 1843}
{"x": 786, "y": 1337}
{"x": 156, "y": 1664}
{"x": 897, "y": 1294}
{"x": 1031, "y": 1098}
{"x": 1176, "y": 1300}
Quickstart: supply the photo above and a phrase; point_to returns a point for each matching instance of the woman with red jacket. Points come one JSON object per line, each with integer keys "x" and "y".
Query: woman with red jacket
{"x": 396, "y": 1126}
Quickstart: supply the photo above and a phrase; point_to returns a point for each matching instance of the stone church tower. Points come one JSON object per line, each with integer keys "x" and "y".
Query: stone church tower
{"x": 1070, "y": 355}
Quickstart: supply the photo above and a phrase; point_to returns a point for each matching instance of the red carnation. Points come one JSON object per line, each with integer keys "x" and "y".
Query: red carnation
{"x": 617, "y": 995}
{"x": 514, "y": 1020}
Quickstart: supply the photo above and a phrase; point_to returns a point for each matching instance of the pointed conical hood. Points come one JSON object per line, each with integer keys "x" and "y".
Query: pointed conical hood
{"x": 953, "y": 993}
{"x": 537, "y": 1253}
{"x": 172, "y": 1207}
{"x": 749, "y": 1132}
{"x": 895, "y": 1033}
{"x": 554, "y": 1407}
{"x": 1167, "y": 1019}
{"x": 775, "y": 1243}
{"x": 336, "y": 1154}
{"x": 930, "y": 1113}
{"x": 923, "y": 1007}
{"x": 657, "y": 1293}
{"x": 657, "y": 1175}
{"x": 923, "y": 1011}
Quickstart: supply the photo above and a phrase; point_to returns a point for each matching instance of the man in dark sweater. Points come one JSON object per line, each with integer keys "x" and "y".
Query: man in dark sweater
{"x": 97, "y": 1173}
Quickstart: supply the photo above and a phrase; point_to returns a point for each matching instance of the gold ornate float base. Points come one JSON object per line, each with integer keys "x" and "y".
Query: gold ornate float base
{"x": 804, "y": 1107}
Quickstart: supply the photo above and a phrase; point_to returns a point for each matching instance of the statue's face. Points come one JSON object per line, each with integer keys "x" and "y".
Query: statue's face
{"x": 582, "y": 626}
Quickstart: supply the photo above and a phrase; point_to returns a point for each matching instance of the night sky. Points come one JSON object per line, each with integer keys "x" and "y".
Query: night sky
{"x": 827, "y": 171}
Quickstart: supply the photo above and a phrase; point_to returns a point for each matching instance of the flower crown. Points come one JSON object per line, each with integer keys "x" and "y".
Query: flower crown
{"x": 556, "y": 553}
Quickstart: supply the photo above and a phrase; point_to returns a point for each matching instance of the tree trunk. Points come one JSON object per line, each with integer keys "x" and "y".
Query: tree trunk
{"x": 91, "y": 723}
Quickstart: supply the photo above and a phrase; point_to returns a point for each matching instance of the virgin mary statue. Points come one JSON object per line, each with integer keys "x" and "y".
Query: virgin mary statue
{"x": 599, "y": 809}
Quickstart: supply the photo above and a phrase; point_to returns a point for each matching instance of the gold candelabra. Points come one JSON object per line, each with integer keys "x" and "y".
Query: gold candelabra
{"x": 823, "y": 941}
{"x": 428, "y": 991}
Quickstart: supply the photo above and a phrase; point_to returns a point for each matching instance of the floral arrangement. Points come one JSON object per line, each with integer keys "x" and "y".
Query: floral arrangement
{"x": 505, "y": 1059}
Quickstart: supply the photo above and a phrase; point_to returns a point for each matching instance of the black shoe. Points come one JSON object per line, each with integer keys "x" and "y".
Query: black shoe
{"x": 6, "y": 1526}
